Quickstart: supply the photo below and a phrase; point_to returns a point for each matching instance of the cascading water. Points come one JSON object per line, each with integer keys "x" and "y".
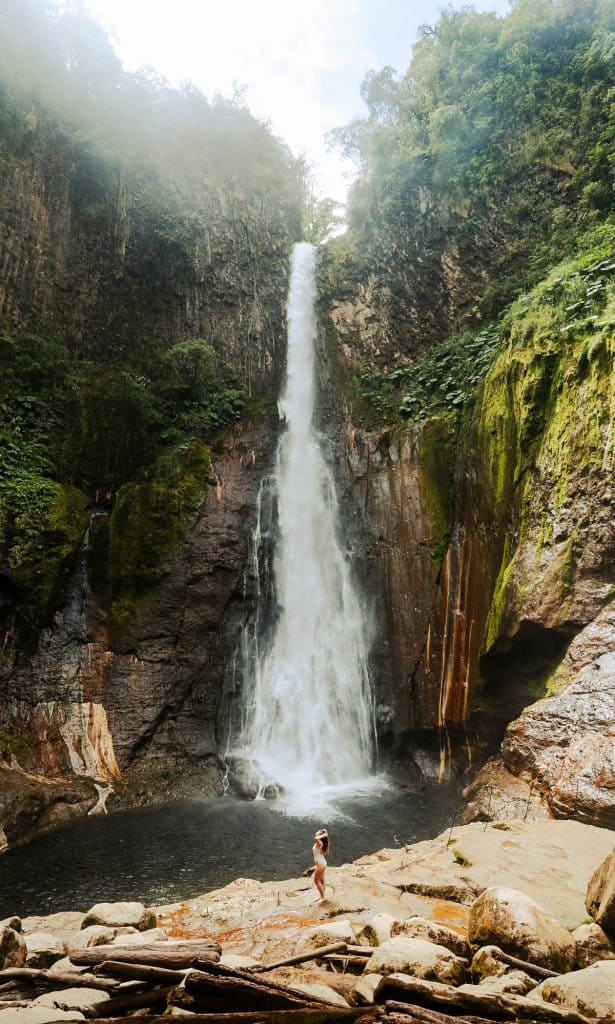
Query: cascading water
{"x": 308, "y": 723}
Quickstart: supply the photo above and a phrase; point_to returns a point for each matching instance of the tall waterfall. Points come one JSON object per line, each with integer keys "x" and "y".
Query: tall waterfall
{"x": 309, "y": 721}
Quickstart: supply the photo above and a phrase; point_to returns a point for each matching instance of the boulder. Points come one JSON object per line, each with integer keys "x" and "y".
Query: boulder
{"x": 590, "y": 991}
{"x": 517, "y": 924}
{"x": 95, "y": 935}
{"x": 365, "y": 989}
{"x": 591, "y": 944}
{"x": 486, "y": 965}
{"x": 516, "y": 983}
{"x": 12, "y": 948}
{"x": 421, "y": 928}
{"x": 11, "y": 922}
{"x": 418, "y": 958}
{"x": 66, "y": 966}
{"x": 377, "y": 931}
{"x": 124, "y": 937}
{"x": 325, "y": 935}
{"x": 120, "y": 915}
{"x": 321, "y": 992}
{"x": 43, "y": 949}
{"x": 600, "y": 899}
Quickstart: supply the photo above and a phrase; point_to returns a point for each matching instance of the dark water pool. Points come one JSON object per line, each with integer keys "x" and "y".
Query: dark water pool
{"x": 176, "y": 851}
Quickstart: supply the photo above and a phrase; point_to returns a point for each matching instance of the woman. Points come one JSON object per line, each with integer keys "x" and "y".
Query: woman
{"x": 320, "y": 849}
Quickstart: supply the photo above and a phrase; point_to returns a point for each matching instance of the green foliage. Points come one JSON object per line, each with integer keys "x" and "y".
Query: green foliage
{"x": 443, "y": 377}
{"x": 13, "y": 742}
{"x": 41, "y": 525}
{"x": 148, "y": 522}
{"x": 497, "y": 144}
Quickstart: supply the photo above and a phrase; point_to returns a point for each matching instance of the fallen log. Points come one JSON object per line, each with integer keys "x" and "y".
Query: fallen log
{"x": 125, "y": 1004}
{"x": 346, "y": 961}
{"x": 523, "y": 965}
{"x": 314, "y": 954}
{"x": 240, "y": 992}
{"x": 36, "y": 976}
{"x": 436, "y": 996}
{"x": 138, "y": 972}
{"x": 175, "y": 955}
{"x": 308, "y": 1015}
{"x": 398, "y": 1012}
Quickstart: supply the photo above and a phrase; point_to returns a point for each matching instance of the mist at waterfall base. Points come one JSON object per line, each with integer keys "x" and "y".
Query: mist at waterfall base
{"x": 308, "y": 723}
{"x": 181, "y": 850}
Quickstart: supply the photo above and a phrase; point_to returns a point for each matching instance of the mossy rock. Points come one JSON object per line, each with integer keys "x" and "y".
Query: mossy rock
{"x": 42, "y": 523}
{"x": 148, "y": 522}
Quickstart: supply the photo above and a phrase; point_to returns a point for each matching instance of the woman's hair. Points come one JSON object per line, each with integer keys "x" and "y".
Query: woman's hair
{"x": 323, "y": 835}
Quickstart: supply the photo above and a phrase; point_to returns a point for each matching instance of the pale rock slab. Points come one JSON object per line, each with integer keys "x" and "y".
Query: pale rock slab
{"x": 74, "y": 998}
{"x": 43, "y": 949}
{"x": 600, "y": 899}
{"x": 418, "y": 958}
{"x": 120, "y": 915}
{"x": 590, "y": 991}
{"x": 365, "y": 989}
{"x": 592, "y": 944}
{"x": 12, "y": 948}
{"x": 97, "y": 935}
{"x": 517, "y": 924}
{"x": 378, "y": 930}
{"x": 66, "y": 966}
{"x": 421, "y": 928}
{"x": 321, "y": 992}
{"x": 37, "y": 1015}
{"x": 237, "y": 962}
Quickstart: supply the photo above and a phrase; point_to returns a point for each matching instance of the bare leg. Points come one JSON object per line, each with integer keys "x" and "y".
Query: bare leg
{"x": 319, "y": 881}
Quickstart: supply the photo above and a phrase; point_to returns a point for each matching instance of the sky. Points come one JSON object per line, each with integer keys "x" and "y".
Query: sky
{"x": 301, "y": 64}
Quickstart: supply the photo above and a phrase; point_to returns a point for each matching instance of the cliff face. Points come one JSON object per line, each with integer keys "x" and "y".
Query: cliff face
{"x": 487, "y": 538}
{"x": 104, "y": 255}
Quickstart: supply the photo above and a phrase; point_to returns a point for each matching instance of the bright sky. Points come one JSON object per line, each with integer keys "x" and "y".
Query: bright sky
{"x": 301, "y": 64}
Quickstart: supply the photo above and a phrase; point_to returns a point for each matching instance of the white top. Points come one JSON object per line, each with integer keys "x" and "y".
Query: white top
{"x": 318, "y": 856}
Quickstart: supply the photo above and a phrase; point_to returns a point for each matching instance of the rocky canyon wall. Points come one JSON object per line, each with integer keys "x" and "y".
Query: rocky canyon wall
{"x": 485, "y": 543}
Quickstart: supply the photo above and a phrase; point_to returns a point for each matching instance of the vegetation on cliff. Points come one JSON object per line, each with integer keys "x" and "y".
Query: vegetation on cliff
{"x": 479, "y": 165}
{"x": 145, "y": 238}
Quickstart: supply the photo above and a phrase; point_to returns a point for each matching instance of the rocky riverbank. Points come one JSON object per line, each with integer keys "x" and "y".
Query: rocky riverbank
{"x": 502, "y": 920}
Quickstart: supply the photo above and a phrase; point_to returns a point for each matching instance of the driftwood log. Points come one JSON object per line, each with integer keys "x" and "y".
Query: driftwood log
{"x": 126, "y": 1003}
{"x": 34, "y": 976}
{"x": 410, "y": 1013}
{"x": 435, "y": 996}
{"x": 522, "y": 965}
{"x": 307, "y": 1015}
{"x": 314, "y": 954}
{"x": 175, "y": 955}
{"x": 240, "y": 992}
{"x": 139, "y": 972}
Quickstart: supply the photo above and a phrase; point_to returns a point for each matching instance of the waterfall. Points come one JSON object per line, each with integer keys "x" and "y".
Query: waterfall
{"x": 308, "y": 723}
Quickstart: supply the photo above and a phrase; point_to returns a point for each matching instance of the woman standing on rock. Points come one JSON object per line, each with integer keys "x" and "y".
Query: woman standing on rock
{"x": 320, "y": 849}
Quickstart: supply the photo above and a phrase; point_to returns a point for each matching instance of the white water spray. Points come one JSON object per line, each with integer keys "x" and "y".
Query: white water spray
{"x": 309, "y": 724}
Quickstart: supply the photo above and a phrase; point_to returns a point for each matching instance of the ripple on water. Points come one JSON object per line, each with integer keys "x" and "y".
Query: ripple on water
{"x": 177, "y": 851}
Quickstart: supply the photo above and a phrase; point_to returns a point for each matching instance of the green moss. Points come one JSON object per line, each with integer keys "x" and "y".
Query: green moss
{"x": 436, "y": 466}
{"x": 42, "y": 523}
{"x": 460, "y": 859}
{"x": 148, "y": 522}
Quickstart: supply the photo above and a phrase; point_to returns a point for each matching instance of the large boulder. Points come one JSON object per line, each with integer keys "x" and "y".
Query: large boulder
{"x": 418, "y": 958}
{"x": 73, "y": 998}
{"x": 600, "y": 899}
{"x": 43, "y": 949}
{"x": 421, "y": 928}
{"x": 325, "y": 935}
{"x": 592, "y": 944}
{"x": 365, "y": 989}
{"x": 96, "y": 935}
{"x": 120, "y": 915}
{"x": 590, "y": 991}
{"x": 12, "y": 948}
{"x": 514, "y": 921}
{"x": 378, "y": 930}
